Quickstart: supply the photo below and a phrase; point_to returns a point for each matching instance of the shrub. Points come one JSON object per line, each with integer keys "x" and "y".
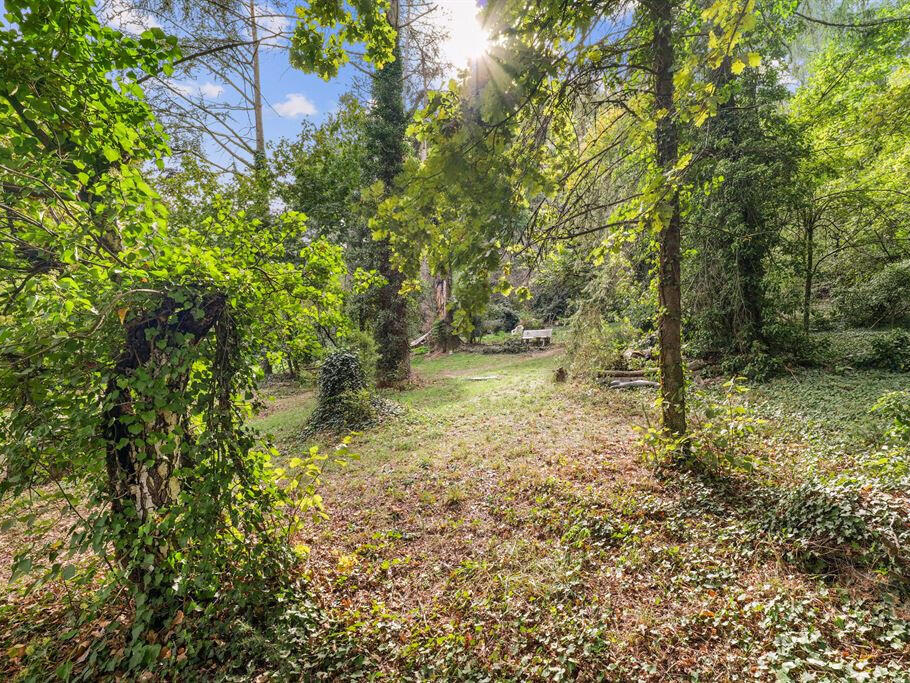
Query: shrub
{"x": 500, "y": 317}
{"x": 880, "y": 300}
{"x": 596, "y": 344}
{"x": 345, "y": 402}
{"x": 892, "y": 460}
{"x": 783, "y": 345}
{"x": 890, "y": 351}
{"x": 720, "y": 437}
{"x": 895, "y": 405}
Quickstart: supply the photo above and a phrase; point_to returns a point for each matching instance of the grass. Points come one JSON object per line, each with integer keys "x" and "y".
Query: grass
{"x": 506, "y": 528}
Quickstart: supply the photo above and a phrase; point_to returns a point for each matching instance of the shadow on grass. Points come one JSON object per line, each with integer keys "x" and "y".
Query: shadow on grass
{"x": 840, "y": 531}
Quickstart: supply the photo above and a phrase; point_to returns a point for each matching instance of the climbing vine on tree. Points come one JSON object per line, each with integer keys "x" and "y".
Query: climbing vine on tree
{"x": 129, "y": 342}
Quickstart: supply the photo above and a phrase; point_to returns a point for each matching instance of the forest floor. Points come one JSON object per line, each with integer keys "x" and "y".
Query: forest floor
{"x": 506, "y": 527}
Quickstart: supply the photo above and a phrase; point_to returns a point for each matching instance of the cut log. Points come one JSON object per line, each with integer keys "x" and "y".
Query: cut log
{"x": 633, "y": 384}
{"x": 420, "y": 340}
{"x": 623, "y": 373}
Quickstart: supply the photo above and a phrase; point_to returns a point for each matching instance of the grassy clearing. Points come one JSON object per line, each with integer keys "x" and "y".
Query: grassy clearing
{"x": 505, "y": 528}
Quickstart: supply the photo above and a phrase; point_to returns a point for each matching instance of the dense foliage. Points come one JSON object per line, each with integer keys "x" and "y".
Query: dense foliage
{"x": 131, "y": 339}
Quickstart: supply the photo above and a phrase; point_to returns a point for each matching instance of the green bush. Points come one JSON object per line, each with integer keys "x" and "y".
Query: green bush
{"x": 891, "y": 462}
{"x": 500, "y": 317}
{"x": 890, "y": 351}
{"x": 721, "y": 437}
{"x": 881, "y": 300}
{"x": 596, "y": 344}
{"x": 784, "y": 345}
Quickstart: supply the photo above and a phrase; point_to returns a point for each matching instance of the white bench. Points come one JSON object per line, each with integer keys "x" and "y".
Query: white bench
{"x": 542, "y": 337}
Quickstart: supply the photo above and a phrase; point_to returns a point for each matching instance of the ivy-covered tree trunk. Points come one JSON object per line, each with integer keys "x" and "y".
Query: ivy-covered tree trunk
{"x": 810, "y": 269}
{"x": 146, "y": 426}
{"x": 672, "y": 383}
{"x": 742, "y": 237}
{"x": 386, "y": 141}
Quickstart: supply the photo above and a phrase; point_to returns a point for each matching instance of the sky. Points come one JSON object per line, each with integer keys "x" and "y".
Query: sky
{"x": 291, "y": 96}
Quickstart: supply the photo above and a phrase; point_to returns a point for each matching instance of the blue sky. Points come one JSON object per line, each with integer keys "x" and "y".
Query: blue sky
{"x": 291, "y": 96}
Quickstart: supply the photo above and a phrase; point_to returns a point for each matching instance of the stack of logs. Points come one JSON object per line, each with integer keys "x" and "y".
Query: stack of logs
{"x": 631, "y": 379}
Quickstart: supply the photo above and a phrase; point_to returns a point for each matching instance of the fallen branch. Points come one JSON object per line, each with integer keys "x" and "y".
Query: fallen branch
{"x": 420, "y": 340}
{"x": 623, "y": 373}
{"x": 617, "y": 384}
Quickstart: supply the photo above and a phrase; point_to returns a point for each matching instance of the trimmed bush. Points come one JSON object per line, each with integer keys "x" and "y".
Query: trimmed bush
{"x": 345, "y": 401}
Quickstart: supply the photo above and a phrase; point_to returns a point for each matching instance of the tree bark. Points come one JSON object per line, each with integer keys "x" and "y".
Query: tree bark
{"x": 443, "y": 338}
{"x": 672, "y": 383}
{"x": 810, "y": 267}
{"x": 257, "y": 87}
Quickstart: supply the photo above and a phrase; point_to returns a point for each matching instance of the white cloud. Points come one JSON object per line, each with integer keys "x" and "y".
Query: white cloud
{"x": 207, "y": 90}
{"x": 185, "y": 88}
{"x": 271, "y": 22}
{"x": 121, "y": 16}
{"x": 295, "y": 105}
{"x": 210, "y": 90}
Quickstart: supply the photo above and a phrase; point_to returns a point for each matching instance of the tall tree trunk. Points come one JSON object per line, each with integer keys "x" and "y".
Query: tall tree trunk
{"x": 257, "y": 87}
{"x": 745, "y": 249}
{"x": 672, "y": 383}
{"x": 386, "y": 136}
{"x": 810, "y": 268}
{"x": 443, "y": 338}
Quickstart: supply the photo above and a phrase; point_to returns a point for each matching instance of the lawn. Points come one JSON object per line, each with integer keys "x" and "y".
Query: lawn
{"x": 506, "y": 528}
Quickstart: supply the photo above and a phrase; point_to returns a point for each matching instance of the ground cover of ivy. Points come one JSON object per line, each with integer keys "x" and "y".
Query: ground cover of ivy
{"x": 505, "y": 527}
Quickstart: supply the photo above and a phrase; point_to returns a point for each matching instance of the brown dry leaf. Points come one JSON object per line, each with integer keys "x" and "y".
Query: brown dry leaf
{"x": 178, "y": 618}
{"x": 16, "y": 651}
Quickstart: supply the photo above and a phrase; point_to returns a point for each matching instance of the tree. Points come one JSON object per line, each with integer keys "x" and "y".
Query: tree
{"x": 322, "y": 172}
{"x": 744, "y": 179}
{"x": 128, "y": 341}
{"x": 386, "y": 148}
{"x": 576, "y": 98}
{"x": 849, "y": 218}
